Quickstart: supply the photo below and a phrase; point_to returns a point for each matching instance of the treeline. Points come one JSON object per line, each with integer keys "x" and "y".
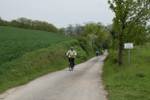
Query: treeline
{"x": 29, "y": 24}
{"x": 93, "y": 36}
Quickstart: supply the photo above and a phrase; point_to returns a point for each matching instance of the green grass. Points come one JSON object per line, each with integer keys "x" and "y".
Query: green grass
{"x": 14, "y": 42}
{"x": 130, "y": 81}
{"x": 28, "y": 54}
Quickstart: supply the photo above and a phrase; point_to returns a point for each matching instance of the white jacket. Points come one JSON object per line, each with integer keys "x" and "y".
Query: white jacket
{"x": 71, "y": 54}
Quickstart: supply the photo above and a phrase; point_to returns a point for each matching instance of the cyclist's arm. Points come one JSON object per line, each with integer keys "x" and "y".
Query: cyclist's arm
{"x": 75, "y": 53}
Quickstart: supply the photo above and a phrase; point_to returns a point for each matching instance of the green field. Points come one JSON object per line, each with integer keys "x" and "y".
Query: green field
{"x": 130, "y": 81}
{"x": 15, "y": 42}
{"x": 28, "y": 54}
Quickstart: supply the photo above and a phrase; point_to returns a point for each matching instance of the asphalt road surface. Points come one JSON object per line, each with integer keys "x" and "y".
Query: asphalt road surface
{"x": 84, "y": 83}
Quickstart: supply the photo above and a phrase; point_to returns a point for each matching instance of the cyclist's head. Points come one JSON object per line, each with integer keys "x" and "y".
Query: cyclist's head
{"x": 71, "y": 48}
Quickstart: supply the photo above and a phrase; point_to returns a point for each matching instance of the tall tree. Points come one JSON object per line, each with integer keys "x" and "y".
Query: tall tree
{"x": 96, "y": 34}
{"x": 128, "y": 15}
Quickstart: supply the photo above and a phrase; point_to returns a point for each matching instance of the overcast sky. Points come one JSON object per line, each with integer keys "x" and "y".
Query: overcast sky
{"x": 58, "y": 12}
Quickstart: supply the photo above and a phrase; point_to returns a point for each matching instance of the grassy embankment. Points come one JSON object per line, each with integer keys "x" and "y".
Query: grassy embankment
{"x": 28, "y": 54}
{"x": 130, "y": 81}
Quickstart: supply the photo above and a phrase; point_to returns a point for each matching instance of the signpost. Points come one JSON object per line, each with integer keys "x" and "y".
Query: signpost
{"x": 129, "y": 46}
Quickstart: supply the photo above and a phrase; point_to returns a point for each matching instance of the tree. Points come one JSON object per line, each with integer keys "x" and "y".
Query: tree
{"x": 33, "y": 24}
{"x": 148, "y": 33}
{"x": 78, "y": 29}
{"x": 97, "y": 35}
{"x": 129, "y": 14}
{"x": 69, "y": 30}
{"x": 1, "y": 21}
{"x": 62, "y": 31}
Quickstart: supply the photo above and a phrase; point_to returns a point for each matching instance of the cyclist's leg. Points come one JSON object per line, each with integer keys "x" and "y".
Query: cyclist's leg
{"x": 73, "y": 64}
{"x": 69, "y": 59}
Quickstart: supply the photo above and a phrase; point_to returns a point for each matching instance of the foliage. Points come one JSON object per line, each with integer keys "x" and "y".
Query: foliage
{"x": 148, "y": 33}
{"x": 30, "y": 24}
{"x": 91, "y": 36}
{"x": 84, "y": 44}
{"x": 131, "y": 18}
{"x": 131, "y": 81}
{"x": 97, "y": 35}
{"x": 73, "y": 30}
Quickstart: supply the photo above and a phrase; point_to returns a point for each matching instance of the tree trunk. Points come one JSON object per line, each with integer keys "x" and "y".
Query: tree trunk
{"x": 120, "y": 50}
{"x": 121, "y": 42}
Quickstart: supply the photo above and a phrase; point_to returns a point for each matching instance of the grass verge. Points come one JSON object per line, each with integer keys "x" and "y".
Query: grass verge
{"x": 129, "y": 81}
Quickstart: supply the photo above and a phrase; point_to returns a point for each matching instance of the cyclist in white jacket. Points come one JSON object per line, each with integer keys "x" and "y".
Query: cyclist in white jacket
{"x": 71, "y": 54}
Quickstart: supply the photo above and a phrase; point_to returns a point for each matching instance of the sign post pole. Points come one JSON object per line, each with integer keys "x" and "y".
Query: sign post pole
{"x": 129, "y": 46}
{"x": 129, "y": 56}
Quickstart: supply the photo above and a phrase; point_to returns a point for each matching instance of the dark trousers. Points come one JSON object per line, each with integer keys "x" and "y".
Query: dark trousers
{"x": 71, "y": 62}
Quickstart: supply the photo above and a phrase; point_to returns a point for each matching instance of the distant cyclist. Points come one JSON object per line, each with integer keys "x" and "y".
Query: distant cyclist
{"x": 97, "y": 52}
{"x": 71, "y": 54}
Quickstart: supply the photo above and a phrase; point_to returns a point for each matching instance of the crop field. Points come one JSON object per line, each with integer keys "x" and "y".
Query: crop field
{"x": 15, "y": 42}
{"x": 28, "y": 54}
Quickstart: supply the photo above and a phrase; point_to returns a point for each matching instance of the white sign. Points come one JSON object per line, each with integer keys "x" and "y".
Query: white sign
{"x": 128, "y": 46}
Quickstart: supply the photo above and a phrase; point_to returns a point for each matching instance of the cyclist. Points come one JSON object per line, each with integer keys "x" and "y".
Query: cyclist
{"x": 71, "y": 54}
{"x": 97, "y": 52}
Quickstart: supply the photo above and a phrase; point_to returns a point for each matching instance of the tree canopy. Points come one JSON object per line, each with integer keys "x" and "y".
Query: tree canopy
{"x": 130, "y": 21}
{"x": 29, "y": 24}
